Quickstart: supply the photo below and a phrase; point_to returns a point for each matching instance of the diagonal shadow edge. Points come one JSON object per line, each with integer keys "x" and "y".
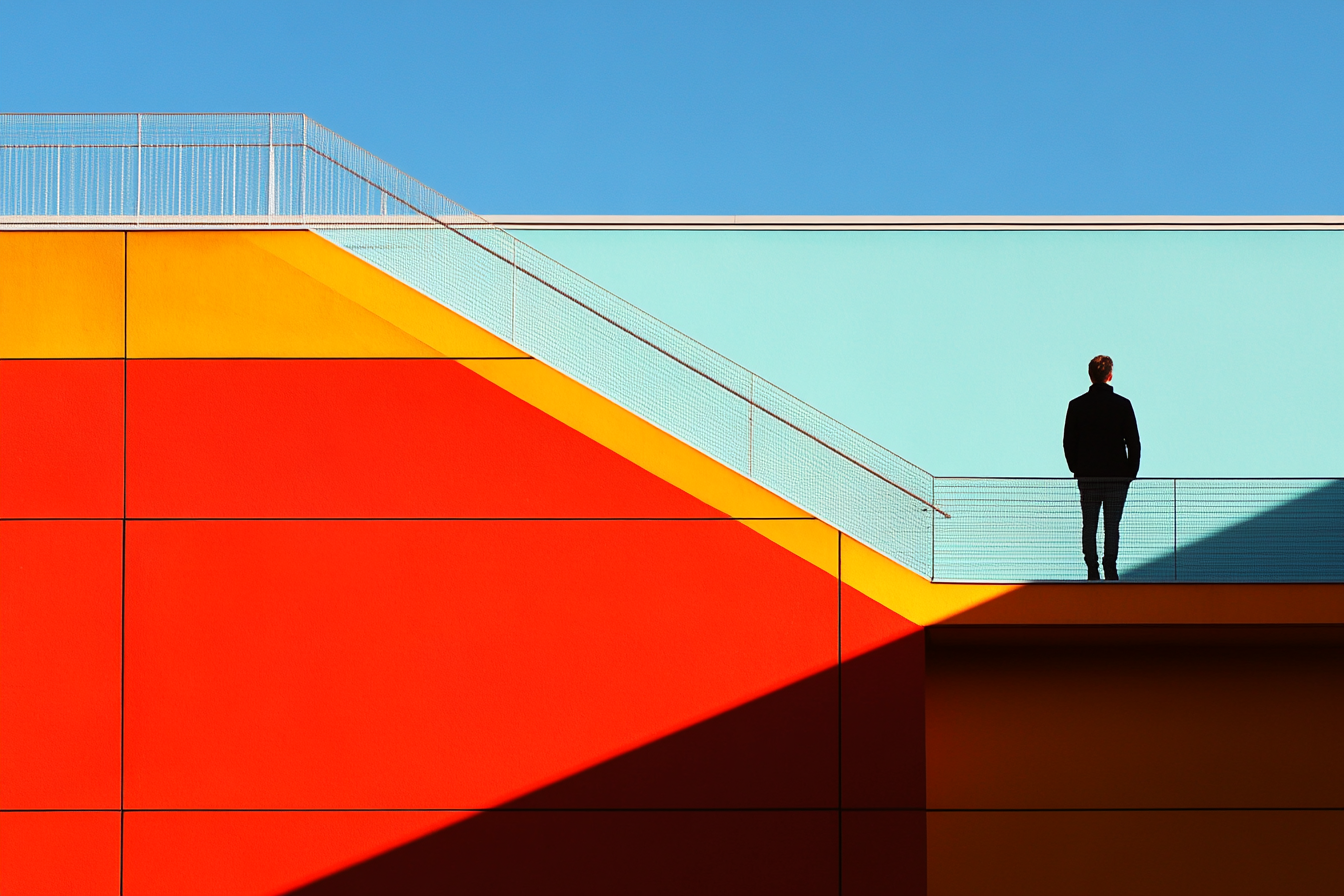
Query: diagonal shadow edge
{"x": 746, "y": 801}
{"x": 1301, "y": 540}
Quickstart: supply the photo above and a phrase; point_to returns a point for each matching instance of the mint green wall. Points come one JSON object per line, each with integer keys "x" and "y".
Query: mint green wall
{"x": 960, "y": 350}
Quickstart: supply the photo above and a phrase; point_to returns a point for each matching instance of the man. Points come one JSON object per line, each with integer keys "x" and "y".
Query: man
{"x": 1101, "y": 444}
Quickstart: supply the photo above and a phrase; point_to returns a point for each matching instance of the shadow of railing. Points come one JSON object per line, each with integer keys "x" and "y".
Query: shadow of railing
{"x": 1301, "y": 540}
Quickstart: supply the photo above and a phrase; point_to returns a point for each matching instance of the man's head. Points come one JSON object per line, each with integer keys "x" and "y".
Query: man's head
{"x": 1099, "y": 368}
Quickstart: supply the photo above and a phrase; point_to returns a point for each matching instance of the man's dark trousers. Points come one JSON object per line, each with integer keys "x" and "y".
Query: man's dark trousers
{"x": 1097, "y": 495}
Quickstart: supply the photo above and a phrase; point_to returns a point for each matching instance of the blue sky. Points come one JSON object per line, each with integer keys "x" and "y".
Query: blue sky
{"x": 751, "y": 108}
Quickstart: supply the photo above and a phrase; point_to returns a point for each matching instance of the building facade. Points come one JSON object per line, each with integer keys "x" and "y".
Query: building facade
{"x": 312, "y": 582}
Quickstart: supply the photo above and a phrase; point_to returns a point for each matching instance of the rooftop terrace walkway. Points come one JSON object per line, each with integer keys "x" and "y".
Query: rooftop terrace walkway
{"x": 267, "y": 171}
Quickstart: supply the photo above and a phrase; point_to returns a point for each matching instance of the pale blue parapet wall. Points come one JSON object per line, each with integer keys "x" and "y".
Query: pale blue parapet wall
{"x": 963, "y": 346}
{"x": 273, "y": 170}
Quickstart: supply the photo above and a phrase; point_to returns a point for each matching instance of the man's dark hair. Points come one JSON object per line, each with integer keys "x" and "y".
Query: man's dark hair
{"x": 1099, "y": 368}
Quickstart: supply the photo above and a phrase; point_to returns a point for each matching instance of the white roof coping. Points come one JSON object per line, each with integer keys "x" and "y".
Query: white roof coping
{"x": 918, "y": 222}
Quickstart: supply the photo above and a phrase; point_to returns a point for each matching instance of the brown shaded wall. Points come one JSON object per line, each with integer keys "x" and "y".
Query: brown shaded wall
{"x": 1135, "y": 759}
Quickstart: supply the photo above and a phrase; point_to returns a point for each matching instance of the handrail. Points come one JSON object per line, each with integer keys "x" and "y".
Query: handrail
{"x": 751, "y": 401}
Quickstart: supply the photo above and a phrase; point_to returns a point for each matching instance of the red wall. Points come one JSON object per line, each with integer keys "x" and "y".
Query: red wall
{"x": 388, "y": 628}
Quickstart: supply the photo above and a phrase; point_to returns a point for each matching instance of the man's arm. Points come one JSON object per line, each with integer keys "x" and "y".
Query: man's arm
{"x": 1070, "y": 438}
{"x": 1132, "y": 441}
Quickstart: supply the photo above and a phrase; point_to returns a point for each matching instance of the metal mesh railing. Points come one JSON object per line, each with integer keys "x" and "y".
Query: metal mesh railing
{"x": 665, "y": 377}
{"x": 285, "y": 170}
{"x": 216, "y": 169}
{"x": 1171, "y": 530}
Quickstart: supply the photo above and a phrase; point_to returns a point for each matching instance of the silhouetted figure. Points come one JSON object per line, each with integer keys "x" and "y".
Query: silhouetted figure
{"x": 1101, "y": 444}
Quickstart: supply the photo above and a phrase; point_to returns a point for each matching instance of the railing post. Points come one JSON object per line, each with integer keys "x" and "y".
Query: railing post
{"x": 270, "y": 168}
{"x": 1175, "y": 567}
{"x": 933, "y": 530}
{"x": 303, "y": 175}
{"x": 751, "y": 425}
{"x": 513, "y": 282}
{"x": 139, "y": 162}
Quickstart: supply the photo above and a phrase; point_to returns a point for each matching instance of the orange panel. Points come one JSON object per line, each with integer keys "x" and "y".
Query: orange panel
{"x": 636, "y": 439}
{"x": 60, "y": 664}
{"x": 59, "y": 853}
{"x": 259, "y": 854}
{"x": 61, "y": 295}
{"x": 366, "y": 438}
{"x": 1123, "y": 853}
{"x": 221, "y": 294}
{"x": 411, "y": 312}
{"x": 420, "y": 664}
{"x": 1097, "y": 718}
{"x": 60, "y": 438}
{"x": 866, "y": 625}
{"x": 610, "y": 852}
{"x": 881, "y": 706}
{"x": 882, "y": 852}
{"x": 777, "y": 750}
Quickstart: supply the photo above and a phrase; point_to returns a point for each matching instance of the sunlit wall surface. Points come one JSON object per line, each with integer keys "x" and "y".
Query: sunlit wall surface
{"x": 961, "y": 349}
{"x": 310, "y": 584}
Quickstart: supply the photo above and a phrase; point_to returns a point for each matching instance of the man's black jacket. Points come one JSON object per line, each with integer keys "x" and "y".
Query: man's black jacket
{"x": 1101, "y": 436}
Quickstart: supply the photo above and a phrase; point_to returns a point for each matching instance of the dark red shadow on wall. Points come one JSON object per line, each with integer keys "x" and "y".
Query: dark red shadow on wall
{"x": 745, "y": 802}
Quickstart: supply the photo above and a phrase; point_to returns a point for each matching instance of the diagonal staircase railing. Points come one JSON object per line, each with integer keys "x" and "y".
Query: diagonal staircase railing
{"x": 285, "y": 170}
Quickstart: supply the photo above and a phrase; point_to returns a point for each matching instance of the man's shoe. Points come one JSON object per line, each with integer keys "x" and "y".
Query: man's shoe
{"x": 1112, "y": 575}
{"x": 1093, "y": 575}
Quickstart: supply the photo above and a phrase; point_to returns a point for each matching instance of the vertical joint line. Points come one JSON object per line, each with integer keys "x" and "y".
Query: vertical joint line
{"x": 270, "y": 169}
{"x": 513, "y": 292}
{"x": 303, "y": 174}
{"x": 839, "y": 709}
{"x": 933, "y": 531}
{"x": 125, "y": 379}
